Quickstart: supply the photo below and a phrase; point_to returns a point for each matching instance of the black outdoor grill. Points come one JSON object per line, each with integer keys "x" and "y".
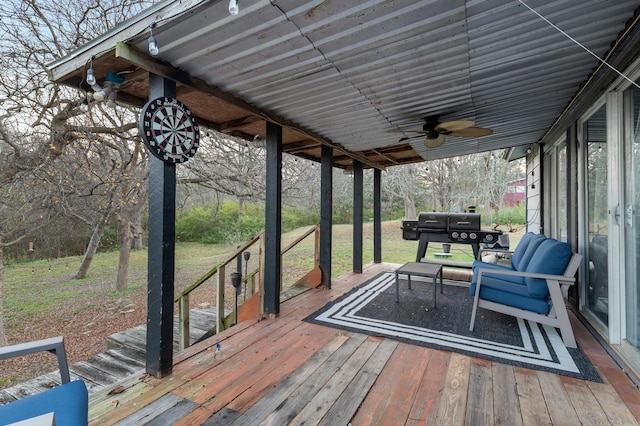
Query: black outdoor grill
{"x": 453, "y": 228}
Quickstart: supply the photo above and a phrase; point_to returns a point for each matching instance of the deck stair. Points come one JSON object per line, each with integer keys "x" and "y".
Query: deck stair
{"x": 124, "y": 357}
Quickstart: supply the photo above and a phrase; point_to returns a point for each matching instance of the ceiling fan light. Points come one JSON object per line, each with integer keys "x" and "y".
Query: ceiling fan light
{"x": 434, "y": 142}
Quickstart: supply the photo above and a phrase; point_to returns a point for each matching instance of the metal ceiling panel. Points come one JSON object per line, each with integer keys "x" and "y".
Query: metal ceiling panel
{"x": 363, "y": 74}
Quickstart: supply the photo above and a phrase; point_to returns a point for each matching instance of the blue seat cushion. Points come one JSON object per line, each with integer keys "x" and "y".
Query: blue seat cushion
{"x": 551, "y": 257}
{"x": 510, "y": 294}
{"x": 69, "y": 403}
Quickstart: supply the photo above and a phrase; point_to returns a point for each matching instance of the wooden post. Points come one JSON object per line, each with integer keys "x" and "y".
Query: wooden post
{"x": 220, "y": 300}
{"x": 260, "y": 286}
{"x": 377, "y": 216}
{"x": 161, "y": 263}
{"x": 184, "y": 341}
{"x": 272, "y": 283}
{"x": 326, "y": 212}
{"x": 357, "y": 216}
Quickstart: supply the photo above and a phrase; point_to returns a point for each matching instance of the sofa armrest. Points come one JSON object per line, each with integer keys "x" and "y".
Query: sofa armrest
{"x": 54, "y": 345}
{"x": 494, "y": 250}
{"x": 559, "y": 278}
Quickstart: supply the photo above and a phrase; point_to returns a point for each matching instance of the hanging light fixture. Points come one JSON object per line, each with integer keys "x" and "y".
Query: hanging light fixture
{"x": 84, "y": 106}
{"x": 153, "y": 44}
{"x": 101, "y": 95}
{"x": 111, "y": 102}
{"x": 91, "y": 76}
{"x": 233, "y": 7}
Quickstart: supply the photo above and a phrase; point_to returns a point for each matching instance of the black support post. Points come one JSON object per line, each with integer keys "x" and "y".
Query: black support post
{"x": 326, "y": 211}
{"x": 273, "y": 221}
{"x": 161, "y": 262}
{"x": 357, "y": 216}
{"x": 377, "y": 216}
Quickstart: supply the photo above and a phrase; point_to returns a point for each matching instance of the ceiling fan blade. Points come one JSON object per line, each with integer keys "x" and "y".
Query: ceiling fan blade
{"x": 409, "y": 138}
{"x": 452, "y": 126}
{"x": 416, "y": 131}
{"x": 434, "y": 143}
{"x": 471, "y": 132}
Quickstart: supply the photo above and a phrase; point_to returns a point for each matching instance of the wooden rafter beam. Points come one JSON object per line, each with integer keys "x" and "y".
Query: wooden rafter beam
{"x": 239, "y": 123}
{"x": 142, "y": 60}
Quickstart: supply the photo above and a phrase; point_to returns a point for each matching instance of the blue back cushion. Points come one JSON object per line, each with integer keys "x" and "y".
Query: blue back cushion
{"x": 69, "y": 403}
{"x": 520, "y": 249}
{"x": 530, "y": 251}
{"x": 551, "y": 257}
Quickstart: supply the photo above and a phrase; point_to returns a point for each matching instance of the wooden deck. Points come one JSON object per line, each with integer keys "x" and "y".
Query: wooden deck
{"x": 125, "y": 356}
{"x": 286, "y": 371}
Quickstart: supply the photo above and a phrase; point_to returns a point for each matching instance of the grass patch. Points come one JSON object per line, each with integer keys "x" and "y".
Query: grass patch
{"x": 128, "y": 291}
{"x": 37, "y": 289}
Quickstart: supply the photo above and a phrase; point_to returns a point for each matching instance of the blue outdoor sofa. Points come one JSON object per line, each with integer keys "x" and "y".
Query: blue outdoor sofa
{"x": 69, "y": 402}
{"x": 532, "y": 287}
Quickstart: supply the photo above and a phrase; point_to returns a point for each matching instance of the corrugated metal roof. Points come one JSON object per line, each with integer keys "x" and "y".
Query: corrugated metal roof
{"x": 362, "y": 74}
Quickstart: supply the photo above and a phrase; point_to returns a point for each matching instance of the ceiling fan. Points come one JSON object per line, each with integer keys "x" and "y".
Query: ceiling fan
{"x": 435, "y": 132}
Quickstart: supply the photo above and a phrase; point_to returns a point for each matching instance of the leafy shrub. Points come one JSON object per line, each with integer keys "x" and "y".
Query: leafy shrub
{"x": 196, "y": 225}
{"x": 515, "y": 214}
{"x": 216, "y": 224}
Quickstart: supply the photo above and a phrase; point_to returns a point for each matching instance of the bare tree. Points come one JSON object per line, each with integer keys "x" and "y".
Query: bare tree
{"x": 39, "y": 120}
{"x": 236, "y": 168}
{"x": 404, "y": 182}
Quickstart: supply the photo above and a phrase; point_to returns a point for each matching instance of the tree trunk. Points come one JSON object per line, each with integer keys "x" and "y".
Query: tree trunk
{"x": 240, "y": 208}
{"x": 90, "y": 252}
{"x": 3, "y": 337}
{"x": 136, "y": 231}
{"x": 124, "y": 240}
{"x": 409, "y": 205}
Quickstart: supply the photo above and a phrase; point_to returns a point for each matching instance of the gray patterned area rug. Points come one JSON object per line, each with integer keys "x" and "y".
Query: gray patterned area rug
{"x": 371, "y": 308}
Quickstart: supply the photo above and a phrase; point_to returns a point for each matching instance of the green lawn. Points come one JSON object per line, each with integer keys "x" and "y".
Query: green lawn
{"x": 32, "y": 290}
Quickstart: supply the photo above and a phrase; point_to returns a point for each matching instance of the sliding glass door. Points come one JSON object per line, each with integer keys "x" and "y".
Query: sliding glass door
{"x": 631, "y": 217}
{"x": 596, "y": 287}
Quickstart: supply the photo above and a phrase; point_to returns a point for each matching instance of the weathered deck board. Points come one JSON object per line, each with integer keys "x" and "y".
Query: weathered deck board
{"x": 270, "y": 372}
{"x": 557, "y": 399}
{"x": 274, "y": 401}
{"x": 532, "y": 403}
{"x": 350, "y": 400}
{"x": 317, "y": 406}
{"x": 275, "y": 370}
{"x": 613, "y": 407}
{"x": 506, "y": 404}
{"x": 261, "y": 388}
{"x": 425, "y": 403}
{"x": 394, "y": 385}
{"x": 480, "y": 398}
{"x": 453, "y": 401}
{"x": 584, "y": 402}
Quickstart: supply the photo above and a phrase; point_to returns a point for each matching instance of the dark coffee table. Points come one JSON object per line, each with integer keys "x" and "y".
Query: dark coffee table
{"x": 428, "y": 270}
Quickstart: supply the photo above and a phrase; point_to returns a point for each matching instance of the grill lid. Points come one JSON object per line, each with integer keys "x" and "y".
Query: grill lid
{"x": 433, "y": 220}
{"x": 464, "y": 222}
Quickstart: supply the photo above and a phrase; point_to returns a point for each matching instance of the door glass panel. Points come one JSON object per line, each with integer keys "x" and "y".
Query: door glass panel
{"x": 631, "y": 216}
{"x": 597, "y": 285}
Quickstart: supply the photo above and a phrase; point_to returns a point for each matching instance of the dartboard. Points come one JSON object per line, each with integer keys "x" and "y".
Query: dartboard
{"x": 169, "y": 130}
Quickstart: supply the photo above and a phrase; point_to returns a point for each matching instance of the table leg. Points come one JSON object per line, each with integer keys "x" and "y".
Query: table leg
{"x": 435, "y": 292}
{"x": 397, "y": 290}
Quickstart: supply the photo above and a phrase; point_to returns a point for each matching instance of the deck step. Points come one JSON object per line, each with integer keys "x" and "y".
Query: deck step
{"x": 124, "y": 357}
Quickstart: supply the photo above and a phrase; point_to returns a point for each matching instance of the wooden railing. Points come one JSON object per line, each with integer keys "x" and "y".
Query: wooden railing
{"x": 255, "y": 277}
